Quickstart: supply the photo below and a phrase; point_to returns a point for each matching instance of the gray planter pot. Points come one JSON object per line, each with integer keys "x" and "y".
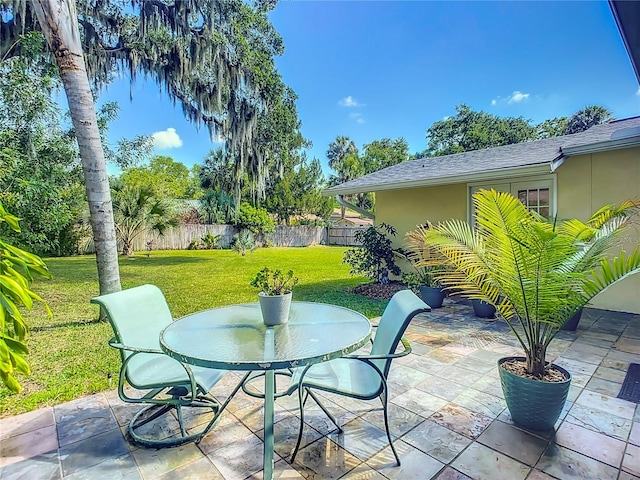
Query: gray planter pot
{"x": 533, "y": 404}
{"x": 275, "y": 308}
{"x": 432, "y": 296}
{"x": 572, "y": 323}
{"x": 483, "y": 309}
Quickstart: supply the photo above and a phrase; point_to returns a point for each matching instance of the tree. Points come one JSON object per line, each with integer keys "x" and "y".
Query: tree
{"x": 165, "y": 177}
{"x": 298, "y": 193}
{"x": 344, "y": 159}
{"x": 137, "y": 211}
{"x": 384, "y": 153}
{"x": 471, "y": 130}
{"x": 338, "y": 150}
{"x": 553, "y": 127}
{"x": 218, "y": 207}
{"x": 211, "y": 61}
{"x": 40, "y": 178}
{"x": 586, "y": 118}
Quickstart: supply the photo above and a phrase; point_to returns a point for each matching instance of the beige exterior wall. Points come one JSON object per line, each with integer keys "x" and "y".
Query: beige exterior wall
{"x": 584, "y": 184}
{"x": 406, "y": 209}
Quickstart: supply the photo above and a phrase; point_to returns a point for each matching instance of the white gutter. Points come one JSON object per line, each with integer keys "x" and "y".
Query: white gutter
{"x": 616, "y": 143}
{"x": 351, "y": 206}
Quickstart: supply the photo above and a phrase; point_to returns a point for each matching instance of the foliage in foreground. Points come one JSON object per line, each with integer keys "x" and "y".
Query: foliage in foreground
{"x": 68, "y": 353}
{"x": 536, "y": 273}
{"x": 16, "y": 269}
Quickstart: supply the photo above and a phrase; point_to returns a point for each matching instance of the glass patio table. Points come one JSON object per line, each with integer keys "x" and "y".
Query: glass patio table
{"x": 235, "y": 338}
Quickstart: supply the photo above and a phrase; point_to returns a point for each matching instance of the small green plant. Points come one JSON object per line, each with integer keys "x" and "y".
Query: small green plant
{"x": 243, "y": 242}
{"x": 16, "y": 268}
{"x": 375, "y": 255}
{"x": 210, "y": 241}
{"x": 274, "y": 282}
{"x": 194, "y": 244}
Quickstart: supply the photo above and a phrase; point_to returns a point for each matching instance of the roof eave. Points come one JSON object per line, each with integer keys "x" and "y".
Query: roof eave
{"x": 601, "y": 146}
{"x": 537, "y": 169}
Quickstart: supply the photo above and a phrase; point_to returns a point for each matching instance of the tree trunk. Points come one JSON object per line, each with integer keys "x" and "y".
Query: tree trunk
{"x": 59, "y": 22}
{"x": 536, "y": 360}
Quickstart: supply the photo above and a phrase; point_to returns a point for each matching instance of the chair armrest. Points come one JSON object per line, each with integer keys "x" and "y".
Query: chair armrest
{"x": 135, "y": 351}
{"x": 113, "y": 343}
{"x": 406, "y": 351}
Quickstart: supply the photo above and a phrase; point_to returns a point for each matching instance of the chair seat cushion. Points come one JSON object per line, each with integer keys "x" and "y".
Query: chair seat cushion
{"x": 149, "y": 370}
{"x": 347, "y": 376}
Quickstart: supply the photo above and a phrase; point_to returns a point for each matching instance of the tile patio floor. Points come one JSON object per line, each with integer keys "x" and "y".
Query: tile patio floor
{"x": 447, "y": 414}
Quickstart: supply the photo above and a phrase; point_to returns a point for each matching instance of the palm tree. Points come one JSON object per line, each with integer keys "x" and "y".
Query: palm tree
{"x": 536, "y": 273}
{"x": 586, "y": 118}
{"x": 343, "y": 158}
{"x": 136, "y": 211}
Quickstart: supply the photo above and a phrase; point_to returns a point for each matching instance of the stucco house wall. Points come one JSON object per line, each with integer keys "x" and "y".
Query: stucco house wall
{"x": 584, "y": 184}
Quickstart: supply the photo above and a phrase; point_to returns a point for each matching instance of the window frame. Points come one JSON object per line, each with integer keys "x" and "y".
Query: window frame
{"x": 512, "y": 185}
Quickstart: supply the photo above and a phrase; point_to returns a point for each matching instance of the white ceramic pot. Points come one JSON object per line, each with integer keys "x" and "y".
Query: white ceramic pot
{"x": 275, "y": 308}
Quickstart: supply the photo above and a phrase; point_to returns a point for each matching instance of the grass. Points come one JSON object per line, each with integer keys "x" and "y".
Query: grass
{"x": 69, "y": 355}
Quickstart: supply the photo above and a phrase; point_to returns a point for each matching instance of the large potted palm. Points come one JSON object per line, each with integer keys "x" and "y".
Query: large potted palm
{"x": 537, "y": 274}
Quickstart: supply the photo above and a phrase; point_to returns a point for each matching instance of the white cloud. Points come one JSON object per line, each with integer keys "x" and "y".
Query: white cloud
{"x": 494, "y": 102}
{"x": 517, "y": 97}
{"x": 166, "y": 139}
{"x": 357, "y": 117}
{"x": 349, "y": 102}
{"x": 638, "y": 92}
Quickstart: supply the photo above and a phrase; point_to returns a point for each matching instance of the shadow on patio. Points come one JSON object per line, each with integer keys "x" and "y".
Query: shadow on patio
{"x": 447, "y": 414}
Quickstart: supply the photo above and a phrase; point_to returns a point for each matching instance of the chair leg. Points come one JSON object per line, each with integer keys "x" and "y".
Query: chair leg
{"x": 301, "y": 402}
{"x": 386, "y": 422}
{"x": 324, "y": 409}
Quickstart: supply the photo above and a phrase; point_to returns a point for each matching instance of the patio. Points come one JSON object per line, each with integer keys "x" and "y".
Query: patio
{"x": 447, "y": 414}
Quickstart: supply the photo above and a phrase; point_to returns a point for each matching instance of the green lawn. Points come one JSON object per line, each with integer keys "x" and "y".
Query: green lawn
{"x": 69, "y": 355}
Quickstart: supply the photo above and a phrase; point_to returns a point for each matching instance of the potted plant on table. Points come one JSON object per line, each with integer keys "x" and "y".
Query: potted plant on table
{"x": 537, "y": 274}
{"x": 275, "y": 294}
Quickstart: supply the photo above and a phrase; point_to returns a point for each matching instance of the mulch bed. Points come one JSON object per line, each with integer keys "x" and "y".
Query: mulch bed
{"x": 378, "y": 291}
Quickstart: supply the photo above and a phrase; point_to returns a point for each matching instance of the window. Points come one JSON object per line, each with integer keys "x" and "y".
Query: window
{"x": 535, "y": 199}
{"x": 536, "y": 193}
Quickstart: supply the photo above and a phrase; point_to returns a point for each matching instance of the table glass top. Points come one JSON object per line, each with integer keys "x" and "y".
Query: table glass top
{"x": 235, "y": 337}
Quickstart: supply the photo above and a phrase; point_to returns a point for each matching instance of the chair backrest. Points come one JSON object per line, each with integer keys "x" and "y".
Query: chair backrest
{"x": 137, "y": 316}
{"x": 403, "y": 306}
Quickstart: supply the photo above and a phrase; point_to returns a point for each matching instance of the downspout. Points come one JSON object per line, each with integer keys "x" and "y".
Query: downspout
{"x": 351, "y": 206}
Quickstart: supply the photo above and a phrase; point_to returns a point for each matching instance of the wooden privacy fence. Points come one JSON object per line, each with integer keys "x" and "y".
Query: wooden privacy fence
{"x": 180, "y": 238}
{"x": 343, "y": 235}
{"x": 297, "y": 236}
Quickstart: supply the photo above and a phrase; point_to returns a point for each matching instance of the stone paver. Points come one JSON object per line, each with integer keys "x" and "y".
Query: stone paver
{"x": 447, "y": 417}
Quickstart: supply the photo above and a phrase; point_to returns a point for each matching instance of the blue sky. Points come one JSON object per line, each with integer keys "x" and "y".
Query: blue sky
{"x": 373, "y": 69}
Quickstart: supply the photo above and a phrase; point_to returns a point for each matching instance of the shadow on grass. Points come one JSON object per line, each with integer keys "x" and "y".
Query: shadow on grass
{"x": 144, "y": 261}
{"x": 77, "y": 323}
{"x": 336, "y": 292}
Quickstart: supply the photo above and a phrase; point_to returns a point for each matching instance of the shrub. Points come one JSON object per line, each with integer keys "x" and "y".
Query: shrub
{"x": 256, "y": 220}
{"x": 243, "y": 242}
{"x": 375, "y": 255}
{"x": 210, "y": 241}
